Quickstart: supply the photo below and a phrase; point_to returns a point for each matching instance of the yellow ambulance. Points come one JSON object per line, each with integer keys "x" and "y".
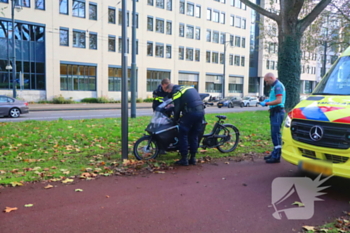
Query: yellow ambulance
{"x": 316, "y": 133}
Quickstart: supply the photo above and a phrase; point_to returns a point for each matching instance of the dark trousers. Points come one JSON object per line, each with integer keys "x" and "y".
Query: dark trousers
{"x": 276, "y": 119}
{"x": 189, "y": 128}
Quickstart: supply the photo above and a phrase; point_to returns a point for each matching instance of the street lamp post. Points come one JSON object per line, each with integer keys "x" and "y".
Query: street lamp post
{"x": 18, "y": 7}
{"x": 224, "y": 61}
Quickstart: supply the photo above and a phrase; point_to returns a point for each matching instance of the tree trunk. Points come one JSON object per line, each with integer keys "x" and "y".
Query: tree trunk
{"x": 289, "y": 67}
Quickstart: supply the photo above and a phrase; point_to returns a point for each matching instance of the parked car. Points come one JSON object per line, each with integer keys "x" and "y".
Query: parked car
{"x": 12, "y": 107}
{"x": 250, "y": 101}
{"x": 230, "y": 102}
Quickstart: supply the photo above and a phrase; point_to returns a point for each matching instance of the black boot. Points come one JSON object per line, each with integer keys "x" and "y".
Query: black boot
{"x": 183, "y": 161}
{"x": 192, "y": 160}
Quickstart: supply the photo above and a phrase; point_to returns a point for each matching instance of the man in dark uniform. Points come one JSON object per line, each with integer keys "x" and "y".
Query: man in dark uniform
{"x": 187, "y": 100}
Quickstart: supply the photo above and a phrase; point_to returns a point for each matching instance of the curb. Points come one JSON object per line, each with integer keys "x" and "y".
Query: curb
{"x": 77, "y": 109}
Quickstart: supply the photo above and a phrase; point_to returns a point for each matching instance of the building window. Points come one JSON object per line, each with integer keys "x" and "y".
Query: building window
{"x": 150, "y": 2}
{"x": 149, "y": 48}
{"x": 244, "y": 23}
{"x": 189, "y": 32}
{"x": 222, "y": 58}
{"x": 168, "y": 28}
{"x": 92, "y": 11}
{"x": 181, "y": 53}
{"x": 237, "y": 60}
{"x": 160, "y": 25}
{"x": 238, "y": 22}
{"x": 208, "y": 14}
{"x": 243, "y": 42}
{"x": 159, "y": 50}
{"x": 169, "y": 5}
{"x": 222, "y": 38}
{"x": 77, "y": 77}
{"x": 208, "y": 35}
{"x": 168, "y": 51}
{"x": 181, "y": 30}
{"x": 230, "y": 60}
{"x": 268, "y": 64}
{"x": 242, "y": 61}
{"x": 223, "y": 1}
{"x": 197, "y": 55}
{"x": 235, "y": 85}
{"x": 150, "y": 23}
{"x": 93, "y": 40}
{"x": 115, "y": 79}
{"x": 238, "y": 4}
{"x": 111, "y": 43}
{"x": 198, "y": 33}
{"x": 207, "y": 56}
{"x": 78, "y": 39}
{"x": 238, "y": 41}
{"x": 25, "y": 3}
{"x": 182, "y": 7}
{"x": 215, "y": 16}
{"x": 215, "y": 57}
{"x": 154, "y": 78}
{"x": 160, "y": 3}
{"x": 189, "y": 54}
{"x": 231, "y": 40}
{"x": 120, "y": 18}
{"x": 64, "y": 7}
{"x": 111, "y": 15}
{"x": 222, "y": 18}
{"x": 216, "y": 37}
{"x": 4, "y": 1}
{"x": 64, "y": 37}
{"x": 190, "y": 9}
{"x": 39, "y": 4}
{"x": 198, "y": 11}
{"x": 232, "y": 20}
{"x": 120, "y": 45}
{"x": 78, "y": 8}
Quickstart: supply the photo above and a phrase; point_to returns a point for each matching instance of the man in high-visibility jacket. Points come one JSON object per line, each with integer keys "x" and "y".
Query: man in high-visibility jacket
{"x": 187, "y": 100}
{"x": 159, "y": 95}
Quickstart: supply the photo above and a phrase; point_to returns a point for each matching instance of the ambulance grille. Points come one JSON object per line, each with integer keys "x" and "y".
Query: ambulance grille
{"x": 336, "y": 158}
{"x": 334, "y": 135}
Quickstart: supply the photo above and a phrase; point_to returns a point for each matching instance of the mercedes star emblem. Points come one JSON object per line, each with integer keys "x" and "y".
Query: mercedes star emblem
{"x": 316, "y": 133}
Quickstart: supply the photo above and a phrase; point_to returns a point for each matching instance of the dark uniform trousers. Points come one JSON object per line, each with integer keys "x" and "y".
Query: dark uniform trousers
{"x": 190, "y": 127}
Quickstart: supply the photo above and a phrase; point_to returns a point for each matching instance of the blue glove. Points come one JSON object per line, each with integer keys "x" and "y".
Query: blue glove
{"x": 263, "y": 103}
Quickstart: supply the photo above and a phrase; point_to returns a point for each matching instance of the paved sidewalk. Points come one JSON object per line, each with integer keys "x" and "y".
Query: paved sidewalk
{"x": 82, "y": 106}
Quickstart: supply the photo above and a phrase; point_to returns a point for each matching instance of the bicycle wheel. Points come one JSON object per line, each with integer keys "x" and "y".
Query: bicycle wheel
{"x": 228, "y": 138}
{"x": 145, "y": 148}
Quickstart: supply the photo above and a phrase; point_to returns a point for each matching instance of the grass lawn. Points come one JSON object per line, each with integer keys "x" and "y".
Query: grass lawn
{"x": 55, "y": 150}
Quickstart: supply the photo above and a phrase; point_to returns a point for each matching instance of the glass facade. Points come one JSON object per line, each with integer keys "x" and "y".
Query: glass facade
{"x": 115, "y": 79}
{"x": 154, "y": 77}
{"x": 30, "y": 55}
{"x": 77, "y": 77}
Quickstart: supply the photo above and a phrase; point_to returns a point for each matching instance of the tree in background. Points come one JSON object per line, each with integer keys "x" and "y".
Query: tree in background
{"x": 292, "y": 18}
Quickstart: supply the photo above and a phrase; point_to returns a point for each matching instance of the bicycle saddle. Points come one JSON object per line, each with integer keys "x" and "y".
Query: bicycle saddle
{"x": 221, "y": 117}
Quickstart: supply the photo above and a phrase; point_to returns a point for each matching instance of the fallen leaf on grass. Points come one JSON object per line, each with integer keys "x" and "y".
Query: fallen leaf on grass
{"x": 107, "y": 196}
{"x": 299, "y": 204}
{"x": 15, "y": 183}
{"x": 78, "y": 190}
{"x": 9, "y": 209}
{"x": 309, "y": 228}
{"x": 227, "y": 162}
{"x": 28, "y": 205}
{"x": 67, "y": 181}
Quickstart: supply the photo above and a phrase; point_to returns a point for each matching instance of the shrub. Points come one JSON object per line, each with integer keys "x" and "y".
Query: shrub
{"x": 62, "y": 100}
{"x": 139, "y": 100}
{"x": 45, "y": 102}
{"x": 148, "y": 100}
{"x": 89, "y": 100}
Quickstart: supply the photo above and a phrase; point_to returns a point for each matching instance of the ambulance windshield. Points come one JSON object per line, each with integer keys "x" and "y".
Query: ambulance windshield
{"x": 337, "y": 80}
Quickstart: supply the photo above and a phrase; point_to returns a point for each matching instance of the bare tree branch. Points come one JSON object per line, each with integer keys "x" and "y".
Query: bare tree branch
{"x": 341, "y": 12}
{"x": 262, "y": 11}
{"x": 304, "y": 23}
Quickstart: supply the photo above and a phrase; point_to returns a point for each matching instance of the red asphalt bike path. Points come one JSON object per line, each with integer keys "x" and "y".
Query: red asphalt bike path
{"x": 213, "y": 197}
